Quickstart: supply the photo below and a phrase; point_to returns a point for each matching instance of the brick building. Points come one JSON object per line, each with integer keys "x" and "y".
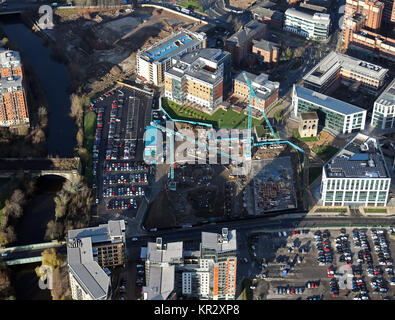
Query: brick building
{"x": 13, "y": 105}
{"x": 267, "y": 51}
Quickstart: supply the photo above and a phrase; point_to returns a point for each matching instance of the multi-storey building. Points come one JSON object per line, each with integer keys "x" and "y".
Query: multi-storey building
{"x": 334, "y": 114}
{"x": 372, "y": 11}
{"x": 383, "y": 115}
{"x": 160, "y": 265}
{"x": 89, "y": 251}
{"x": 201, "y": 77}
{"x": 314, "y": 26}
{"x": 266, "y": 91}
{"x": 218, "y": 265}
{"x": 153, "y": 62}
{"x": 363, "y": 21}
{"x": 205, "y": 273}
{"x": 267, "y": 51}
{"x": 13, "y": 105}
{"x": 240, "y": 43}
{"x": 357, "y": 175}
{"x": 336, "y": 66}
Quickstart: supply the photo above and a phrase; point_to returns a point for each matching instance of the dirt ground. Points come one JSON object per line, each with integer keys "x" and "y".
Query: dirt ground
{"x": 96, "y": 42}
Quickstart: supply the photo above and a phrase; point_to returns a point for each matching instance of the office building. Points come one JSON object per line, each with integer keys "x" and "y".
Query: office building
{"x": 201, "y": 77}
{"x": 333, "y": 114}
{"x": 336, "y": 66}
{"x": 308, "y": 125}
{"x": 13, "y": 104}
{"x": 315, "y": 26}
{"x": 383, "y": 115}
{"x": 240, "y": 43}
{"x": 266, "y": 91}
{"x": 267, "y": 51}
{"x": 89, "y": 252}
{"x": 153, "y": 62}
{"x": 372, "y": 11}
{"x": 357, "y": 175}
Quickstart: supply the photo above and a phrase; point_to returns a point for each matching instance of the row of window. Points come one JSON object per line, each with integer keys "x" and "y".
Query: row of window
{"x": 357, "y": 184}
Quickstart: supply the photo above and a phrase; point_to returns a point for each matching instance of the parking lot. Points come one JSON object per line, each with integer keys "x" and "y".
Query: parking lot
{"x": 324, "y": 264}
{"x": 122, "y": 179}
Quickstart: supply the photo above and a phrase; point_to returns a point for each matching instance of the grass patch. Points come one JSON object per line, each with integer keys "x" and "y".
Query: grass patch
{"x": 325, "y": 152}
{"x": 279, "y": 115}
{"x": 247, "y": 292}
{"x": 314, "y": 173}
{"x": 296, "y": 135}
{"x": 342, "y": 210}
{"x": 192, "y": 5}
{"x": 220, "y": 119}
{"x": 89, "y": 138}
{"x": 378, "y": 210}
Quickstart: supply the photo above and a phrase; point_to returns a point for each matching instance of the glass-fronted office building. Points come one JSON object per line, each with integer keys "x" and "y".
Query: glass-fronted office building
{"x": 332, "y": 113}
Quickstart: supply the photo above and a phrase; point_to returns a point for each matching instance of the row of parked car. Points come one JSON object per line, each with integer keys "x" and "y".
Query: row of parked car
{"x": 343, "y": 247}
{"x": 134, "y": 178}
{"x": 381, "y": 247}
{"x": 323, "y": 244}
{"x": 121, "y": 204}
{"x": 289, "y": 290}
{"x": 132, "y": 191}
{"x": 126, "y": 166}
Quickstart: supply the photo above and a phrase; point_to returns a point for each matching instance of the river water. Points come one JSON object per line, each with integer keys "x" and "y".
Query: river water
{"x": 54, "y": 78}
{"x": 62, "y": 130}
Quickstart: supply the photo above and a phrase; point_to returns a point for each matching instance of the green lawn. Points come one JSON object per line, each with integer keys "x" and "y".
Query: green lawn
{"x": 89, "y": 139}
{"x": 343, "y": 210}
{"x": 220, "y": 119}
{"x": 378, "y": 210}
{"x": 296, "y": 135}
{"x": 192, "y": 5}
{"x": 314, "y": 173}
{"x": 325, "y": 152}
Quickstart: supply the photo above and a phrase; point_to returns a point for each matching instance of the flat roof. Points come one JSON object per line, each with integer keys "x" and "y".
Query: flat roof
{"x": 326, "y": 101}
{"x": 86, "y": 270}
{"x": 262, "y": 86}
{"x": 171, "y": 46}
{"x": 215, "y": 241}
{"x": 314, "y": 17}
{"x": 334, "y": 61}
{"x": 360, "y": 158}
{"x": 387, "y": 97}
{"x": 309, "y": 115}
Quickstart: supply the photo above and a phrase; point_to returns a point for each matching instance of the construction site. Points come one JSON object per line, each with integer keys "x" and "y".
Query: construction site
{"x": 203, "y": 193}
{"x": 101, "y": 46}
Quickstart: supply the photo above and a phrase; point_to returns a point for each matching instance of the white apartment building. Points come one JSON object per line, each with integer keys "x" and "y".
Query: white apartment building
{"x": 155, "y": 60}
{"x": 383, "y": 115}
{"x": 357, "y": 175}
{"x": 311, "y": 26}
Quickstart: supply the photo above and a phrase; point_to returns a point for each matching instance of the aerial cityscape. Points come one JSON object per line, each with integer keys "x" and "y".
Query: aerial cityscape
{"x": 197, "y": 150}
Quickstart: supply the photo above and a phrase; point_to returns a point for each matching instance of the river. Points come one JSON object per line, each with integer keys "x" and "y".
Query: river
{"x": 54, "y": 78}
{"x": 62, "y": 130}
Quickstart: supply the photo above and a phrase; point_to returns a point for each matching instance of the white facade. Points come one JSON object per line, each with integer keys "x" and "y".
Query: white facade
{"x": 383, "y": 115}
{"x": 354, "y": 191}
{"x": 315, "y": 27}
{"x": 357, "y": 175}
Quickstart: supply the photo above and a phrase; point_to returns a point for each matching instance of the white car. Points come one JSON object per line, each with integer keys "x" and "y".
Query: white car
{"x": 134, "y": 239}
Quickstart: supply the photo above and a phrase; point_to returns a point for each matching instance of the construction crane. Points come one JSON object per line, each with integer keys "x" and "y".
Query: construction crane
{"x": 171, "y": 133}
{"x": 253, "y": 95}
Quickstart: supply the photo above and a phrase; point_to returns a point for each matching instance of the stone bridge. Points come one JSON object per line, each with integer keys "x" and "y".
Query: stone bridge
{"x": 67, "y": 168}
